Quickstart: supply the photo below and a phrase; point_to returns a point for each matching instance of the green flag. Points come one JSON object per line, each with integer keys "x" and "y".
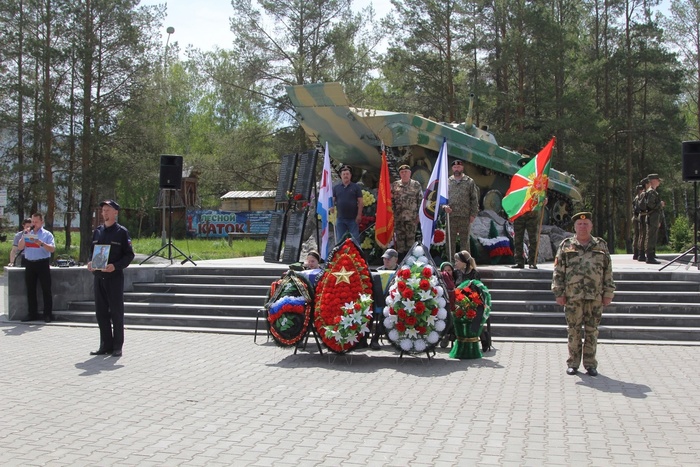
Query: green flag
{"x": 528, "y": 188}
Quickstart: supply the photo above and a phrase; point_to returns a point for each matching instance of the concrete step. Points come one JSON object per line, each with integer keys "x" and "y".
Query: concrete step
{"x": 622, "y": 285}
{"x": 616, "y": 307}
{"x": 498, "y": 294}
{"x": 134, "y": 308}
{"x": 203, "y": 288}
{"x": 229, "y": 279}
{"x": 609, "y": 319}
{"x": 605, "y": 331}
{"x": 171, "y": 320}
{"x": 194, "y": 298}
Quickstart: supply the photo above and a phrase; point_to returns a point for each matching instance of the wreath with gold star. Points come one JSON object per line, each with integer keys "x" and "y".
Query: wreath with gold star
{"x": 343, "y": 310}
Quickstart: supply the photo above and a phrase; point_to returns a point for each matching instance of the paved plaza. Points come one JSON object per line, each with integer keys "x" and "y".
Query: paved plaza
{"x": 178, "y": 398}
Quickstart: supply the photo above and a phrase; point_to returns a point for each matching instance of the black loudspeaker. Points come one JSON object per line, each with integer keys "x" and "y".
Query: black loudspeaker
{"x": 691, "y": 160}
{"x": 170, "y": 171}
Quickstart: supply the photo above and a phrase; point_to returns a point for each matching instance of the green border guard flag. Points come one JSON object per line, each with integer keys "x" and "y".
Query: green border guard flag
{"x": 528, "y": 188}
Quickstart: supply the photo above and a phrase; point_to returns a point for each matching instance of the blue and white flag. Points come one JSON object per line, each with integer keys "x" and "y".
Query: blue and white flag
{"x": 325, "y": 202}
{"x": 435, "y": 195}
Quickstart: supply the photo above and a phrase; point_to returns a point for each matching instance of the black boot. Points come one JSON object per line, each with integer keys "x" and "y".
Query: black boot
{"x": 635, "y": 255}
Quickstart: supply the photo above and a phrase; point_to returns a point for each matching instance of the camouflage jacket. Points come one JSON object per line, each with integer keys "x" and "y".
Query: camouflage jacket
{"x": 464, "y": 197}
{"x": 635, "y": 208}
{"x": 583, "y": 273}
{"x": 406, "y": 199}
{"x": 653, "y": 200}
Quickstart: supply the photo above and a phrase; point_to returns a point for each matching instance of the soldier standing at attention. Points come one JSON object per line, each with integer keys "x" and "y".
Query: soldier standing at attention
{"x": 654, "y": 206}
{"x": 583, "y": 284}
{"x": 406, "y": 195}
{"x": 636, "y": 226}
{"x": 109, "y": 282}
{"x": 642, "y": 206}
{"x": 463, "y": 208}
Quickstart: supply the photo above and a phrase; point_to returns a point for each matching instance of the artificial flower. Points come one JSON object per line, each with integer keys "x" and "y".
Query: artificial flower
{"x": 415, "y": 310}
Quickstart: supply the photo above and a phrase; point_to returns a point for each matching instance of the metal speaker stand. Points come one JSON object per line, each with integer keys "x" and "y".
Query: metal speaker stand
{"x": 170, "y": 245}
{"x": 693, "y": 249}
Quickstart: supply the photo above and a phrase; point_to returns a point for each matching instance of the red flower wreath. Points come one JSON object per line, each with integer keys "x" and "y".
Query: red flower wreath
{"x": 344, "y": 299}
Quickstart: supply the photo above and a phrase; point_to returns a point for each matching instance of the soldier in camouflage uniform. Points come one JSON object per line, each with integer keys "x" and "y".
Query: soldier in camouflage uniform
{"x": 636, "y": 226}
{"x": 406, "y": 196}
{"x": 654, "y": 207}
{"x": 463, "y": 208}
{"x": 583, "y": 284}
{"x": 641, "y": 203}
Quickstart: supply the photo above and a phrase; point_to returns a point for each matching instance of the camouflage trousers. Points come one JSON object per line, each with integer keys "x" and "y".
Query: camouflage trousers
{"x": 636, "y": 233}
{"x": 529, "y": 222}
{"x": 459, "y": 225}
{"x": 586, "y": 314}
{"x": 642, "y": 240}
{"x": 405, "y": 232}
{"x": 653, "y": 223}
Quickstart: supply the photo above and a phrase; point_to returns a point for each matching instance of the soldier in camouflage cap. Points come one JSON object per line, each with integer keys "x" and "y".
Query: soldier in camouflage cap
{"x": 583, "y": 284}
{"x": 636, "y": 226}
{"x": 642, "y": 208}
{"x": 654, "y": 208}
{"x": 406, "y": 196}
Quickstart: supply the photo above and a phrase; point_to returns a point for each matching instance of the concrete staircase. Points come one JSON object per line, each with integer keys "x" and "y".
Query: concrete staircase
{"x": 649, "y": 306}
{"x": 224, "y": 300}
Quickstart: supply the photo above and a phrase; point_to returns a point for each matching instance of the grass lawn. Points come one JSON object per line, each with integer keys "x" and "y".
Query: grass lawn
{"x": 198, "y": 249}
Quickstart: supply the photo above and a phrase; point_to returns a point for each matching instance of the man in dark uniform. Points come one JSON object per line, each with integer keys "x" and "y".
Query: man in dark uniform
{"x": 641, "y": 244}
{"x": 109, "y": 282}
{"x": 654, "y": 206}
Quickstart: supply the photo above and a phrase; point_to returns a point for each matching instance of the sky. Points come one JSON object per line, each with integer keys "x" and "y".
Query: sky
{"x": 204, "y": 24}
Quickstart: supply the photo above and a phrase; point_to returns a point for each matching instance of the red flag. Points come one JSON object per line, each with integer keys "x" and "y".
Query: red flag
{"x": 384, "y": 226}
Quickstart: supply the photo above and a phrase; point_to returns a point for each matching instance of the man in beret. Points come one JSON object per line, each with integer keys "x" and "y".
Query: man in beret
{"x": 642, "y": 207}
{"x": 109, "y": 281}
{"x": 406, "y": 197}
{"x": 348, "y": 203}
{"x": 463, "y": 207}
{"x": 582, "y": 282}
{"x": 654, "y": 206}
{"x": 636, "y": 226}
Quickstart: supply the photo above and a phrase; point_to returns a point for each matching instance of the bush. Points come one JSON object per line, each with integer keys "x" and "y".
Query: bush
{"x": 681, "y": 234}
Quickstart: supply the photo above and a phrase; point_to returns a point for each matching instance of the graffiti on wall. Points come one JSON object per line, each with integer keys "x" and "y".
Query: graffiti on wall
{"x": 212, "y": 224}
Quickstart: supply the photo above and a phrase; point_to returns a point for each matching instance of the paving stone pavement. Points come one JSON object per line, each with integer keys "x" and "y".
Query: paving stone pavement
{"x": 179, "y": 398}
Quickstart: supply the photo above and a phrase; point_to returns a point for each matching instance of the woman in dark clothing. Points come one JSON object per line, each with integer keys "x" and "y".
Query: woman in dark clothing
{"x": 465, "y": 268}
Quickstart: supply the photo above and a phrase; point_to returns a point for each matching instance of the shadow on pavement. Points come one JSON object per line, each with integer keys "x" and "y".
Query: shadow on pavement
{"x": 98, "y": 364}
{"x": 20, "y": 329}
{"x": 606, "y": 384}
{"x": 368, "y": 361}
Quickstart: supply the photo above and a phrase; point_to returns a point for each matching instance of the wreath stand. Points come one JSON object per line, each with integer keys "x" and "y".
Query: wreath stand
{"x": 309, "y": 330}
{"x": 427, "y": 354}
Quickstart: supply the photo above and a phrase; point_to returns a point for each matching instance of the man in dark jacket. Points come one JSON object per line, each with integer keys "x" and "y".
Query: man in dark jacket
{"x": 109, "y": 282}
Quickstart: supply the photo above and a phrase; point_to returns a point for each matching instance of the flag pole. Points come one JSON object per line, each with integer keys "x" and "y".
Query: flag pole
{"x": 449, "y": 239}
{"x": 539, "y": 229}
